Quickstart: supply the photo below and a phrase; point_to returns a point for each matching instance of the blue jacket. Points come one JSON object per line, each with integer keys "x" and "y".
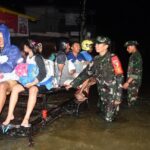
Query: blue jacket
{"x": 79, "y": 57}
{"x": 11, "y": 51}
{"x": 88, "y": 57}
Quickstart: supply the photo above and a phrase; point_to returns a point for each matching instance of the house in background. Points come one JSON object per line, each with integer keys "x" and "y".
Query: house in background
{"x": 50, "y": 21}
{"x": 56, "y": 21}
{"x": 53, "y": 21}
{"x": 17, "y": 22}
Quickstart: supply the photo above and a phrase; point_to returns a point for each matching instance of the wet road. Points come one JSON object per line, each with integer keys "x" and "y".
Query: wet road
{"x": 131, "y": 131}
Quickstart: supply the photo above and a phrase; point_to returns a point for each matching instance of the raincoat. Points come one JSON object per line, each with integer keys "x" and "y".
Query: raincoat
{"x": 10, "y": 54}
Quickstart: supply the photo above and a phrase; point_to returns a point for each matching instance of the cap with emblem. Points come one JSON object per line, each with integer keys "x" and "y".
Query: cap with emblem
{"x": 103, "y": 39}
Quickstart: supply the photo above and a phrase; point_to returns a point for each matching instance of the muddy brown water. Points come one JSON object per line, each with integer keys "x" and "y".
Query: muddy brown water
{"x": 131, "y": 131}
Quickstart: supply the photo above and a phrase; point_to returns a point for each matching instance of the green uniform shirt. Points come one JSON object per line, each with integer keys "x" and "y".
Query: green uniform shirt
{"x": 102, "y": 69}
{"x": 135, "y": 67}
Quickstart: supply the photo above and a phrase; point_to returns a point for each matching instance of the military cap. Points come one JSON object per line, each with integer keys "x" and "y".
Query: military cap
{"x": 128, "y": 43}
{"x": 103, "y": 39}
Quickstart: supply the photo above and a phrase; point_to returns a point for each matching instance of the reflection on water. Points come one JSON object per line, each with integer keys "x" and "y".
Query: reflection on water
{"x": 90, "y": 132}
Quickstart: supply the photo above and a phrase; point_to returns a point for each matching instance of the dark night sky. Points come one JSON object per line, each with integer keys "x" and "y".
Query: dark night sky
{"x": 126, "y": 18}
{"x": 120, "y": 20}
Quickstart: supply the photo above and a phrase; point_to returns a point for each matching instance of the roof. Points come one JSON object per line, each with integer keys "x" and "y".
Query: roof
{"x": 2, "y": 9}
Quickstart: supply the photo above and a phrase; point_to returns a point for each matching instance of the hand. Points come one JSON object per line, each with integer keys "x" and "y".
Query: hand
{"x": 78, "y": 91}
{"x": 68, "y": 87}
{"x": 80, "y": 96}
{"x": 117, "y": 102}
{"x": 28, "y": 85}
{"x": 35, "y": 82}
{"x": 126, "y": 85}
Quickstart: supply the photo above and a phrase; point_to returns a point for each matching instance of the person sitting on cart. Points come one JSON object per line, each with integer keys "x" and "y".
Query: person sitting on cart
{"x": 31, "y": 82}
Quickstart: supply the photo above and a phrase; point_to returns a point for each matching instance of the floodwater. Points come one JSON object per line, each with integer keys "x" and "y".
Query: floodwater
{"x": 130, "y": 131}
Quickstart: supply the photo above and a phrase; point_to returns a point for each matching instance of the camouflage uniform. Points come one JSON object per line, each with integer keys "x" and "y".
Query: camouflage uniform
{"x": 135, "y": 72}
{"x": 108, "y": 83}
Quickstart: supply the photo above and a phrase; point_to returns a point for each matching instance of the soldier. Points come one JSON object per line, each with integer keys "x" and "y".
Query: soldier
{"x": 109, "y": 76}
{"x": 134, "y": 73}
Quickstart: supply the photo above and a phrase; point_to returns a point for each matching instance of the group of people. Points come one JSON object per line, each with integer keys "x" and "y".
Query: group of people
{"x": 107, "y": 70}
{"x": 72, "y": 66}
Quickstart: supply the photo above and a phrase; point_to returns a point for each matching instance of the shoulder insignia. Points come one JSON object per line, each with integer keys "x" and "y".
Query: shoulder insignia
{"x": 116, "y": 65}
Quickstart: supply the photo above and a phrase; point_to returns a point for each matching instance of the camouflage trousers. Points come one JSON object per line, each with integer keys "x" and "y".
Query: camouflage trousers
{"x": 132, "y": 93}
{"x": 107, "y": 108}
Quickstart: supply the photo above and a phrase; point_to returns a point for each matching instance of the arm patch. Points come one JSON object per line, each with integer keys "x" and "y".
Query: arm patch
{"x": 116, "y": 65}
